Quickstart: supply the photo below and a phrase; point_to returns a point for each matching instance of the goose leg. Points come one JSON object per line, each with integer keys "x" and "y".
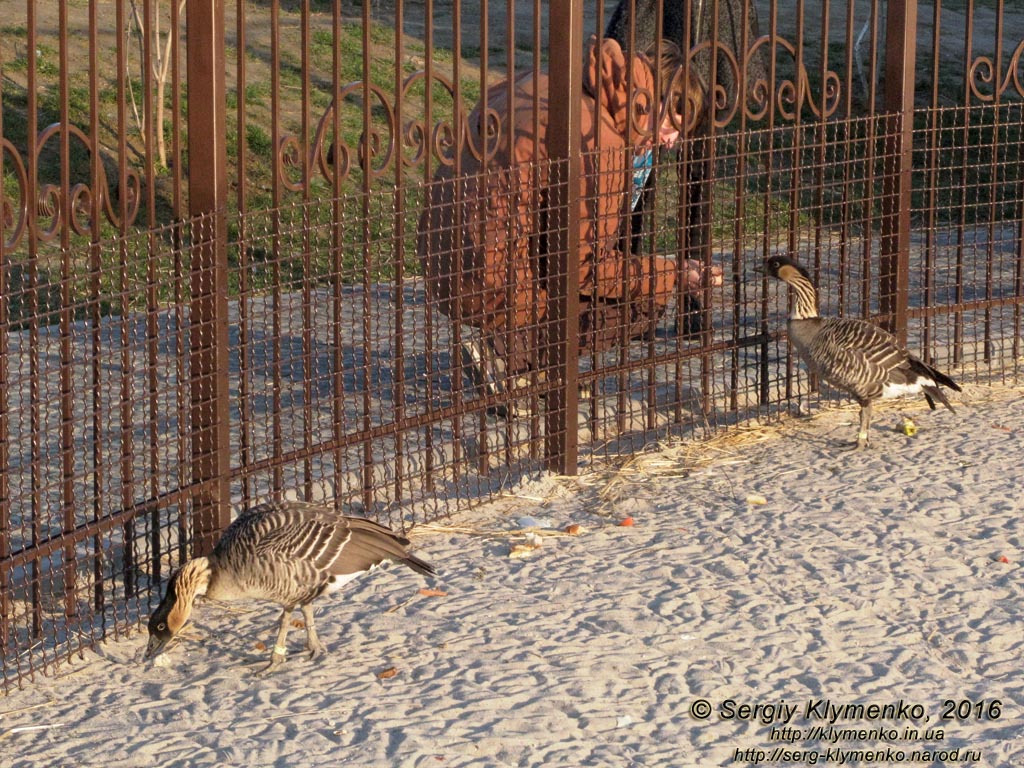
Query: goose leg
{"x": 278, "y": 654}
{"x": 865, "y": 422}
{"x": 313, "y": 644}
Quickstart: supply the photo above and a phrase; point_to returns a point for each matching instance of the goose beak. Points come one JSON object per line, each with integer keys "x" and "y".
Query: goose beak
{"x": 155, "y": 647}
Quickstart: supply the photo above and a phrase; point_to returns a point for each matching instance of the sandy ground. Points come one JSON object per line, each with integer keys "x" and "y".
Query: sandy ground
{"x": 886, "y": 577}
{"x": 890, "y": 577}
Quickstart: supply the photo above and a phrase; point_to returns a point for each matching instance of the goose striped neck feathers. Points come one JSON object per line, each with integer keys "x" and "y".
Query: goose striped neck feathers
{"x": 789, "y": 271}
{"x": 188, "y": 583}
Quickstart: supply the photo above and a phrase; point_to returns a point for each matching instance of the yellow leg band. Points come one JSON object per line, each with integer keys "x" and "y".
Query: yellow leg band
{"x": 280, "y": 650}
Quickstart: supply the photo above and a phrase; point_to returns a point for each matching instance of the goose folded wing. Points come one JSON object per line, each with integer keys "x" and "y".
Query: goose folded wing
{"x": 301, "y": 532}
{"x": 856, "y": 356}
{"x": 369, "y": 544}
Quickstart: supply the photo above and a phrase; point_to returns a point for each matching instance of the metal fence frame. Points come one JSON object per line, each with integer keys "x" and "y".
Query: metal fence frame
{"x": 186, "y": 513}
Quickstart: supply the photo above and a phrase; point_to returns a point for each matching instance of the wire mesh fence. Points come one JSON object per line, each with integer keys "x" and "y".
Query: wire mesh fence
{"x": 403, "y": 304}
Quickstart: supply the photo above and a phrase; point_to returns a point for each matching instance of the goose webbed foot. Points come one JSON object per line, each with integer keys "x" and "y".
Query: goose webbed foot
{"x": 861, "y": 442}
{"x": 275, "y": 663}
{"x": 315, "y": 651}
{"x": 313, "y": 644}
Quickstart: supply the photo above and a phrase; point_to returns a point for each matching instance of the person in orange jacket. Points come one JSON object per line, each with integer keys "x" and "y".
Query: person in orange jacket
{"x": 482, "y": 236}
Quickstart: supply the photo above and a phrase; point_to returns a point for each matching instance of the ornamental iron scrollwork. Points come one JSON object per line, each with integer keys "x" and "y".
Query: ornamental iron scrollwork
{"x": 80, "y": 195}
{"x": 721, "y": 104}
{"x": 54, "y": 207}
{"x": 388, "y": 141}
{"x": 411, "y": 142}
{"x": 373, "y": 154}
{"x": 790, "y": 96}
{"x": 983, "y": 71}
{"x": 441, "y": 141}
{"x": 14, "y": 210}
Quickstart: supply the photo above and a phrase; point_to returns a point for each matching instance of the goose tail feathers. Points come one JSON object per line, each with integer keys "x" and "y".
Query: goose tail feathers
{"x": 420, "y": 566}
{"x": 943, "y": 380}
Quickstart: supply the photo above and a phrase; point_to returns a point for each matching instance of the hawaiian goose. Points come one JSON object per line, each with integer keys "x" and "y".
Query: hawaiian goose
{"x": 853, "y": 355}
{"x": 289, "y": 553}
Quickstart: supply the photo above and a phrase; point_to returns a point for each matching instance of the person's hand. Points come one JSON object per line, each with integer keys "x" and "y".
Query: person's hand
{"x": 694, "y": 275}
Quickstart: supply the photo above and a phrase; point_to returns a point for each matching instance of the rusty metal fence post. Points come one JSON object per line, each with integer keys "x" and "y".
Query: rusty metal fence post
{"x": 897, "y": 180}
{"x": 565, "y": 41}
{"x": 5, "y": 499}
{"x": 208, "y": 309}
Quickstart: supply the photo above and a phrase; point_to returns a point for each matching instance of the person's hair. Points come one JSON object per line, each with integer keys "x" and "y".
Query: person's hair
{"x": 680, "y": 97}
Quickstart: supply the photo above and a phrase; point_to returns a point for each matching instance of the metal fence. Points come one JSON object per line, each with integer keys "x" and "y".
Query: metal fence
{"x": 212, "y": 289}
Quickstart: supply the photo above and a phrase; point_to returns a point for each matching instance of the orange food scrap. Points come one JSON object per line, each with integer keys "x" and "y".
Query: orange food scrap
{"x": 627, "y": 523}
{"x": 1004, "y": 559}
{"x": 298, "y": 623}
{"x": 385, "y": 674}
{"x": 260, "y": 645}
{"x": 573, "y": 529}
{"x": 427, "y": 592}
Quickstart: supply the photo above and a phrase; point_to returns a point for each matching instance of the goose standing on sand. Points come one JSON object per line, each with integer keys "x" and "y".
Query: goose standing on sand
{"x": 853, "y": 355}
{"x": 290, "y": 553}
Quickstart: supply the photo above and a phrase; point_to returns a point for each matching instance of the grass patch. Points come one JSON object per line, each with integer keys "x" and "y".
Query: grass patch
{"x": 258, "y": 141}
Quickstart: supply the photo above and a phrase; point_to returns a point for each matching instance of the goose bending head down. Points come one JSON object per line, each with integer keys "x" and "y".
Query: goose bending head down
{"x": 289, "y": 553}
{"x": 853, "y": 355}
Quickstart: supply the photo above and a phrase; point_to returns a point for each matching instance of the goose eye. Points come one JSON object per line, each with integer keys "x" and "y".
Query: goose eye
{"x": 161, "y": 626}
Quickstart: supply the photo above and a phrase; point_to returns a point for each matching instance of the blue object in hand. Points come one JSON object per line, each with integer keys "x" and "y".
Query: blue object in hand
{"x": 642, "y": 164}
